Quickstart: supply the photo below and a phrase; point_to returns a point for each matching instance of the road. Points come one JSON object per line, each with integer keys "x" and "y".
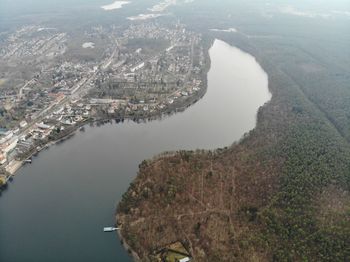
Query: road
{"x": 79, "y": 90}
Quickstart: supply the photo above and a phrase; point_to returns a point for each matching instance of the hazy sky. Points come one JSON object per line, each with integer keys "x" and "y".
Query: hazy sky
{"x": 17, "y": 9}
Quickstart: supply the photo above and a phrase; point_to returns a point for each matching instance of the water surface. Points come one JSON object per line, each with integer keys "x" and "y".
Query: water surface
{"x": 55, "y": 209}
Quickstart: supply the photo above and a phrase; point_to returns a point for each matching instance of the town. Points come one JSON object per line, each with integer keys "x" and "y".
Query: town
{"x": 53, "y": 83}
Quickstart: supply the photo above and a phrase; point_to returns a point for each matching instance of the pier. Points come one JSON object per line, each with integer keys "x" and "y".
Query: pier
{"x": 110, "y": 229}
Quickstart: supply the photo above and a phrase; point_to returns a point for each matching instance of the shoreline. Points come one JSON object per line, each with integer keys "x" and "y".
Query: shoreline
{"x": 203, "y": 91}
{"x": 125, "y": 245}
{"x": 15, "y": 165}
{"x": 178, "y": 107}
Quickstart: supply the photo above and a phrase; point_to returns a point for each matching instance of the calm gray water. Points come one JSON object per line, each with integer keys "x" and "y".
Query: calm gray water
{"x": 55, "y": 209}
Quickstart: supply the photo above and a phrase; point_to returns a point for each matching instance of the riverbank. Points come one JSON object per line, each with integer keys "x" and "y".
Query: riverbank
{"x": 96, "y": 167}
{"x": 269, "y": 197}
{"x": 126, "y": 246}
{"x": 177, "y": 107}
{"x": 13, "y": 166}
{"x": 176, "y": 197}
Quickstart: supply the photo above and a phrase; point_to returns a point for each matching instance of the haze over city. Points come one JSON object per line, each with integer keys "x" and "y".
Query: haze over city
{"x": 174, "y": 130}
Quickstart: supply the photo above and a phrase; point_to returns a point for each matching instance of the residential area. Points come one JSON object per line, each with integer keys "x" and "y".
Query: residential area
{"x": 52, "y": 83}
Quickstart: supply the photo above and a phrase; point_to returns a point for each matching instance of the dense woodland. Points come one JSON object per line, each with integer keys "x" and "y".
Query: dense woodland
{"x": 282, "y": 192}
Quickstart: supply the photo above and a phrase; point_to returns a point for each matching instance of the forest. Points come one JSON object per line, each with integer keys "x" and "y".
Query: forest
{"x": 282, "y": 192}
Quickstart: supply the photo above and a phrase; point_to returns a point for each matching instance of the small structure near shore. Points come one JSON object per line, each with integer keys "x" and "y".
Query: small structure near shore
{"x": 29, "y": 160}
{"x": 110, "y": 229}
{"x": 175, "y": 252}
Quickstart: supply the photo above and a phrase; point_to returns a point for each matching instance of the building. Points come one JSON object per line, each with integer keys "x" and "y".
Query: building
{"x": 8, "y": 146}
{"x": 23, "y": 124}
{"x": 43, "y": 126}
{"x": 174, "y": 252}
{"x": 2, "y": 159}
{"x": 6, "y": 136}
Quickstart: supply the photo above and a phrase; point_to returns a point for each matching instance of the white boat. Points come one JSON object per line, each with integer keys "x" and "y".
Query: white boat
{"x": 109, "y": 229}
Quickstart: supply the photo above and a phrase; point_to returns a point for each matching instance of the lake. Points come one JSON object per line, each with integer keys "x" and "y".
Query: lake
{"x": 56, "y": 208}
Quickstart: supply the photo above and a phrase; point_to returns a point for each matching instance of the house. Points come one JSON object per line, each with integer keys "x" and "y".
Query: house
{"x": 43, "y": 126}
{"x": 2, "y": 159}
{"x": 8, "y": 146}
{"x": 23, "y": 124}
{"x": 174, "y": 252}
{"x": 6, "y": 136}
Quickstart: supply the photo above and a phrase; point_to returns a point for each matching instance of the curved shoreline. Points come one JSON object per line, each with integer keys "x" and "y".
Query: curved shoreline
{"x": 104, "y": 120}
{"x": 180, "y": 106}
{"x": 119, "y": 223}
{"x": 18, "y": 164}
